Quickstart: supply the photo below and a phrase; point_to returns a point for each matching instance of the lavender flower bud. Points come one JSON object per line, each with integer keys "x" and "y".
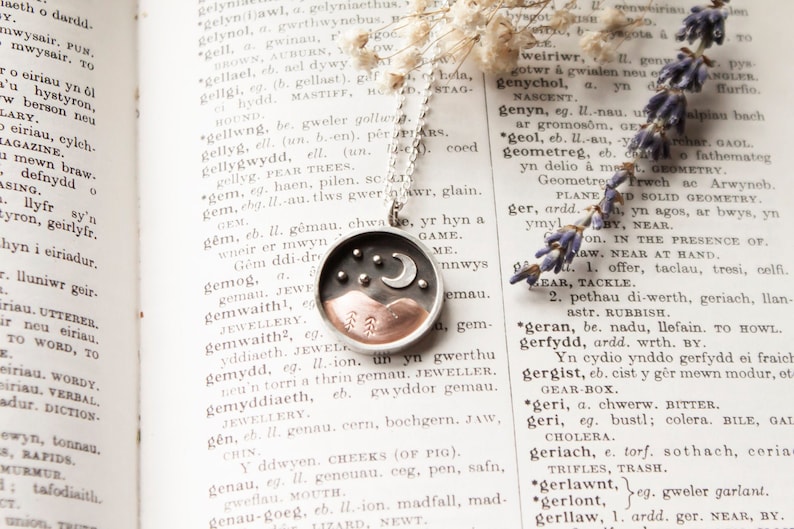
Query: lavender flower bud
{"x": 706, "y": 23}
{"x": 652, "y": 142}
{"x": 573, "y": 247}
{"x": 610, "y": 196}
{"x": 621, "y": 175}
{"x": 597, "y": 220}
{"x": 552, "y": 261}
{"x": 567, "y": 237}
{"x": 685, "y": 73}
{"x": 529, "y": 272}
{"x": 553, "y": 238}
{"x": 668, "y": 106}
{"x": 561, "y": 247}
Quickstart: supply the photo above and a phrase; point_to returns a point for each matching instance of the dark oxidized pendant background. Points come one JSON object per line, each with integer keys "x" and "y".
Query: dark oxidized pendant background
{"x": 380, "y": 290}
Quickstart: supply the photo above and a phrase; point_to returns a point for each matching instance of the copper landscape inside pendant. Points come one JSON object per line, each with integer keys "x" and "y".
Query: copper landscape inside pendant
{"x": 380, "y": 290}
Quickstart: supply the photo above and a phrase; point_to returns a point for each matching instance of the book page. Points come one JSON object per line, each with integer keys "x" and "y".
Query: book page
{"x": 644, "y": 386}
{"x": 68, "y": 265}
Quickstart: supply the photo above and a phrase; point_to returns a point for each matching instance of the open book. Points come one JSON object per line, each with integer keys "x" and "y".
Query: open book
{"x": 172, "y": 173}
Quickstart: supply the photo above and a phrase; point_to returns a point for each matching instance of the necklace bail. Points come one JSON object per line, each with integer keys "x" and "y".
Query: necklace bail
{"x": 394, "y": 213}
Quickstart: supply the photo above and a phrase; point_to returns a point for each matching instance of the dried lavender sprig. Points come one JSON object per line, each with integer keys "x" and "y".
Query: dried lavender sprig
{"x": 665, "y": 110}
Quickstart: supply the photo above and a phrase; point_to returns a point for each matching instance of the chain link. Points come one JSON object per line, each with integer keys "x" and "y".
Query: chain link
{"x": 398, "y": 184}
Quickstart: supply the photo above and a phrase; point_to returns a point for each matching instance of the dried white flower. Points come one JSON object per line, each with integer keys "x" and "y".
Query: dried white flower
{"x": 481, "y": 29}
{"x": 352, "y": 40}
{"x": 456, "y": 44}
{"x": 418, "y": 6}
{"x": 608, "y": 53}
{"x": 391, "y": 82}
{"x": 561, "y": 20}
{"x": 417, "y": 31}
{"x": 590, "y": 41}
{"x": 364, "y": 59}
{"x": 408, "y": 59}
{"x": 496, "y": 52}
{"x": 524, "y": 39}
{"x": 612, "y": 19}
{"x": 468, "y": 17}
{"x": 593, "y": 44}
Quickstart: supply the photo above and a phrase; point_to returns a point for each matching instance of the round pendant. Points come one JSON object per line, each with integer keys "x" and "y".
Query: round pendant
{"x": 379, "y": 291}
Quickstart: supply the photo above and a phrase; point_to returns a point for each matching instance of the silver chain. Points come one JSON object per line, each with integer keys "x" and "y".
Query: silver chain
{"x": 398, "y": 185}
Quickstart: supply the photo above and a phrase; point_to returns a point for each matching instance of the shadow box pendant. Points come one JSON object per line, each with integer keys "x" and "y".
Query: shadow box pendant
{"x": 379, "y": 291}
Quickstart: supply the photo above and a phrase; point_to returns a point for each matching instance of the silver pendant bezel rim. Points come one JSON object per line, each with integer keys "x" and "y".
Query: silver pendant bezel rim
{"x": 404, "y": 343}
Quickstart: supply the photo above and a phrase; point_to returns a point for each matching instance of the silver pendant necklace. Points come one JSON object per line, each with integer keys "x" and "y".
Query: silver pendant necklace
{"x": 380, "y": 290}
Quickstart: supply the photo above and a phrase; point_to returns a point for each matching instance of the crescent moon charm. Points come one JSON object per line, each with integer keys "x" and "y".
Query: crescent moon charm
{"x": 406, "y": 276}
{"x": 386, "y": 316}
